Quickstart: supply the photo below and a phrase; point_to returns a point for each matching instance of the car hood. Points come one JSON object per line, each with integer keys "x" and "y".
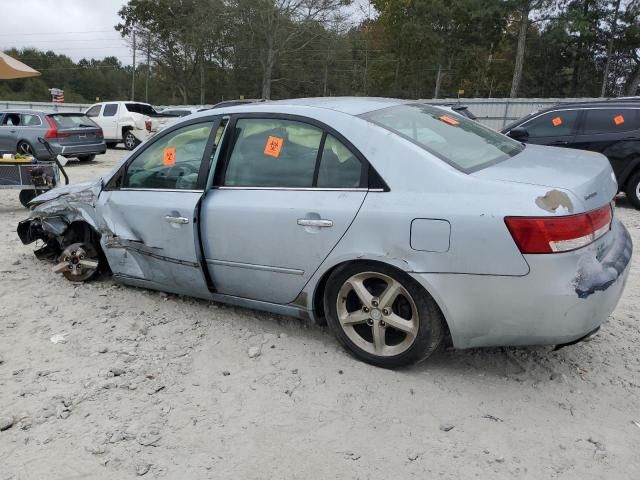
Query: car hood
{"x": 587, "y": 175}
{"x": 92, "y": 187}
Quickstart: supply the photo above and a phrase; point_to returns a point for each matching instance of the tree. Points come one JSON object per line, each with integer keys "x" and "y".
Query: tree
{"x": 524, "y": 8}
{"x": 275, "y": 25}
{"x": 178, "y": 34}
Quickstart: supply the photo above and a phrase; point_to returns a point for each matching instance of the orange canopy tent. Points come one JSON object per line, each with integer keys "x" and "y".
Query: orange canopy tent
{"x": 11, "y": 68}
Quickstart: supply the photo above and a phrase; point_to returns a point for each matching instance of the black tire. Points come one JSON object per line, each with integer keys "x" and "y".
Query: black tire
{"x": 87, "y": 158}
{"x": 426, "y": 336}
{"x": 130, "y": 140}
{"x": 112, "y": 144}
{"x": 632, "y": 189}
{"x": 26, "y": 195}
{"x": 25, "y": 148}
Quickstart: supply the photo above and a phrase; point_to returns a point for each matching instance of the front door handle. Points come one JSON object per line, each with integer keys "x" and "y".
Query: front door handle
{"x": 560, "y": 142}
{"x": 178, "y": 220}
{"x": 307, "y": 222}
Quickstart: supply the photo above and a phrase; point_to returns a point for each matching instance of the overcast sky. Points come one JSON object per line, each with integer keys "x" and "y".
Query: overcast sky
{"x": 77, "y": 28}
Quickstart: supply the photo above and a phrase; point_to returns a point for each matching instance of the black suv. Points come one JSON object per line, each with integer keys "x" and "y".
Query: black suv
{"x": 609, "y": 127}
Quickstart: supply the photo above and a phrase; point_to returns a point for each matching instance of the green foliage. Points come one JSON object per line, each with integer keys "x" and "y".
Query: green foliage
{"x": 205, "y": 51}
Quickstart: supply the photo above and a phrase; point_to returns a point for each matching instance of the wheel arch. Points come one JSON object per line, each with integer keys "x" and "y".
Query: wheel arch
{"x": 630, "y": 172}
{"x": 317, "y": 300}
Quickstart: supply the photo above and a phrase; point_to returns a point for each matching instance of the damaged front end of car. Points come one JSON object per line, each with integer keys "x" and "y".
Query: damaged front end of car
{"x": 64, "y": 220}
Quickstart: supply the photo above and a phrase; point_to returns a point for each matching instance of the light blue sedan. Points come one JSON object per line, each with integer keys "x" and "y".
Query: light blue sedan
{"x": 397, "y": 223}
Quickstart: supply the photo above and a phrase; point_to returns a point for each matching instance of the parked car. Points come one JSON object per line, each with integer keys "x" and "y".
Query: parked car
{"x": 179, "y": 111}
{"x": 457, "y": 108}
{"x": 128, "y": 122}
{"x": 609, "y": 127}
{"x": 69, "y": 134}
{"x": 397, "y": 222}
{"x": 234, "y": 103}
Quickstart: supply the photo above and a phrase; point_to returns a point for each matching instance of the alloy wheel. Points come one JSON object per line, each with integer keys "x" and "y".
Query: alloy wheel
{"x": 78, "y": 263}
{"x": 25, "y": 149}
{"x": 377, "y": 314}
{"x": 129, "y": 141}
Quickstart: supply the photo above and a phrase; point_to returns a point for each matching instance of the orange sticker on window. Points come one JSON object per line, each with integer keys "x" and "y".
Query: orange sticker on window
{"x": 557, "y": 121}
{"x": 449, "y": 120}
{"x": 618, "y": 119}
{"x": 169, "y": 156}
{"x": 273, "y": 147}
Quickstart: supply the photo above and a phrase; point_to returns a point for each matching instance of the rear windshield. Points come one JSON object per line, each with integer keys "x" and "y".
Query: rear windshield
{"x": 463, "y": 143}
{"x": 140, "y": 108}
{"x": 73, "y": 121}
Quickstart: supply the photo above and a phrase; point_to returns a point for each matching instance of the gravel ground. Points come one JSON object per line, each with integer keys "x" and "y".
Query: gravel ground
{"x": 142, "y": 383}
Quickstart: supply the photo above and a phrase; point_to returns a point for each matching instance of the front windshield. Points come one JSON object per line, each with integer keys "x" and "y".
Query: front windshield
{"x": 463, "y": 143}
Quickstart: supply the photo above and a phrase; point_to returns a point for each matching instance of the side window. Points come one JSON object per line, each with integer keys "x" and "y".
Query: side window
{"x": 171, "y": 161}
{"x": 30, "y": 120}
{"x": 609, "y": 120}
{"x": 553, "y": 124}
{"x": 273, "y": 153}
{"x": 11, "y": 120}
{"x": 339, "y": 167}
{"x": 94, "y": 111}
{"x": 110, "y": 110}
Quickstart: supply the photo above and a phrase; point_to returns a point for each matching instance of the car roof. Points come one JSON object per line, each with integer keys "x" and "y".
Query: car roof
{"x": 347, "y": 105}
{"x": 597, "y": 103}
{"x": 25, "y": 110}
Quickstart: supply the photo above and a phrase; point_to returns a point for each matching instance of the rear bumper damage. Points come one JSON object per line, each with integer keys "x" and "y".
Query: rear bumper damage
{"x": 564, "y": 298}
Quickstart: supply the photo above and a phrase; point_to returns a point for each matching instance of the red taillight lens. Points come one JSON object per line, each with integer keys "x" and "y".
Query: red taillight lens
{"x": 99, "y": 134}
{"x": 53, "y": 132}
{"x": 147, "y": 125}
{"x": 559, "y": 234}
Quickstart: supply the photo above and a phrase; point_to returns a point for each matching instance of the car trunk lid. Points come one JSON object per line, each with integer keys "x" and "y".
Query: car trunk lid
{"x": 587, "y": 175}
{"x": 75, "y": 129}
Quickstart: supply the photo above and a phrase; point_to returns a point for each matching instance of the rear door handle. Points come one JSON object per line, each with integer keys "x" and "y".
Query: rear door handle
{"x": 178, "y": 220}
{"x": 307, "y": 222}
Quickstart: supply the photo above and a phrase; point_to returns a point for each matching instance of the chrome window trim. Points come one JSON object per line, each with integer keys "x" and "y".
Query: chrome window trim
{"x": 304, "y": 189}
{"x": 128, "y": 189}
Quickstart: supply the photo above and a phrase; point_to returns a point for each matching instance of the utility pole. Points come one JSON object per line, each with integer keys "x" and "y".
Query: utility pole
{"x": 133, "y": 73}
{"x": 146, "y": 83}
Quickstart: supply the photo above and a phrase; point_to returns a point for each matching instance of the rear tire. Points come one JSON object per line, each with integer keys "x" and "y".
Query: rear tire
{"x": 25, "y": 148}
{"x": 130, "y": 140}
{"x": 632, "y": 190}
{"x": 397, "y": 324}
{"x": 87, "y": 158}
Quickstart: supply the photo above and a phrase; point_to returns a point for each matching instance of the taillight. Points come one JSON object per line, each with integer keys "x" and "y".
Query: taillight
{"x": 53, "y": 132}
{"x": 559, "y": 234}
{"x": 147, "y": 125}
{"x": 99, "y": 134}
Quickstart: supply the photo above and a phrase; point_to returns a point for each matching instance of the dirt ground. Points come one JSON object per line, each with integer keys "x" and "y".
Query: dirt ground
{"x": 149, "y": 384}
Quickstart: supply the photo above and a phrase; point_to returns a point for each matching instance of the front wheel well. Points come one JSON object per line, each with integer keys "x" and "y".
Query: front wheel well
{"x": 318, "y": 295}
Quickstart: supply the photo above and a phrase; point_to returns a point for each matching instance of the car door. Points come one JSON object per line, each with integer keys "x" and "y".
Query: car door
{"x": 5, "y": 135}
{"x": 285, "y": 193}
{"x": 150, "y": 208}
{"x": 556, "y": 128}
{"x": 614, "y": 132}
{"x": 109, "y": 122}
{"x": 9, "y": 126}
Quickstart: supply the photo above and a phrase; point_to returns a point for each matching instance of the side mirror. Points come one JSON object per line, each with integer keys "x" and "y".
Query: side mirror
{"x": 519, "y": 133}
